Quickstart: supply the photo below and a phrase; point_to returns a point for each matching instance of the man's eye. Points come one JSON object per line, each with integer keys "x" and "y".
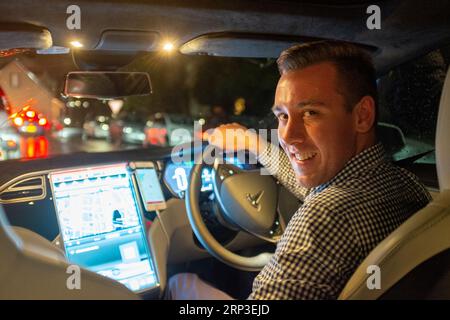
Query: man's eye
{"x": 282, "y": 116}
{"x": 309, "y": 113}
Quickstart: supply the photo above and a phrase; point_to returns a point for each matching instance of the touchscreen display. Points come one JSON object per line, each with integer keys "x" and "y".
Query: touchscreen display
{"x": 101, "y": 226}
{"x": 150, "y": 189}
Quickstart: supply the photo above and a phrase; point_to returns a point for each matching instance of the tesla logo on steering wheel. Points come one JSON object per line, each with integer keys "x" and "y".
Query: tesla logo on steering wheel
{"x": 255, "y": 199}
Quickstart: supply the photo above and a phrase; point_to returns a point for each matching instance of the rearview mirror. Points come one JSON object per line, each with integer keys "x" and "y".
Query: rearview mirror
{"x": 106, "y": 85}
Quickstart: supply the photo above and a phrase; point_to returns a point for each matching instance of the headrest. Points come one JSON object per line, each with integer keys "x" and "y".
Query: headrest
{"x": 443, "y": 137}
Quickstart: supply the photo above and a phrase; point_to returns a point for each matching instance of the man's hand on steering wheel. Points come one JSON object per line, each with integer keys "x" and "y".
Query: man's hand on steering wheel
{"x": 233, "y": 137}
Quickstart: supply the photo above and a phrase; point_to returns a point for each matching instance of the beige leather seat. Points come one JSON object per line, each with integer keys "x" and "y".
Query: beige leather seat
{"x": 32, "y": 268}
{"x": 414, "y": 260}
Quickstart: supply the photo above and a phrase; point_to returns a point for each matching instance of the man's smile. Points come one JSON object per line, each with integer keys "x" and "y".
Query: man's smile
{"x": 303, "y": 156}
{"x": 304, "y": 162}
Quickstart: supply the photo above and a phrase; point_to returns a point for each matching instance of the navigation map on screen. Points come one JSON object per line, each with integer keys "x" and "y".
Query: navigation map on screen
{"x": 101, "y": 226}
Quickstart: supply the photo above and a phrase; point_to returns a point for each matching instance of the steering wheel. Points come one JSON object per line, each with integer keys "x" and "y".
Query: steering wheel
{"x": 248, "y": 202}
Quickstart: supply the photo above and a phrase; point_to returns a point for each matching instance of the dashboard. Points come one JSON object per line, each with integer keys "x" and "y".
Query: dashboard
{"x": 25, "y": 190}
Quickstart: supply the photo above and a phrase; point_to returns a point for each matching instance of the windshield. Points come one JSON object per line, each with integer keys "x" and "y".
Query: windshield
{"x": 186, "y": 89}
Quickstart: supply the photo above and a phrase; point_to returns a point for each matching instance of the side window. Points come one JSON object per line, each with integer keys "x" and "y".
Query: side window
{"x": 409, "y": 98}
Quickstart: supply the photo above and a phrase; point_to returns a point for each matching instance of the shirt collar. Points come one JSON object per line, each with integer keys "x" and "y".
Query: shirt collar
{"x": 364, "y": 160}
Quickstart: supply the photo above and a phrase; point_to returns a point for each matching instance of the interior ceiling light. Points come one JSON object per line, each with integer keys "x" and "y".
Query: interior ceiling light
{"x": 76, "y": 44}
{"x": 168, "y": 46}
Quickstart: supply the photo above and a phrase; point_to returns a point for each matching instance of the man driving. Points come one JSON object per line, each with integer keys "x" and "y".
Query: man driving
{"x": 326, "y": 106}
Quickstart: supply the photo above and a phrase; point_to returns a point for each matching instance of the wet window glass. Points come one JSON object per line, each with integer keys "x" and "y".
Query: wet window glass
{"x": 409, "y": 98}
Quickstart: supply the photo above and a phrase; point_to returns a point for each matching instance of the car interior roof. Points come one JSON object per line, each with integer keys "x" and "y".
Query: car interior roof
{"x": 409, "y": 28}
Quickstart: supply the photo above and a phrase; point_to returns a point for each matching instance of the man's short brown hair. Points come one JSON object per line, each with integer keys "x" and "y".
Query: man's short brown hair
{"x": 354, "y": 66}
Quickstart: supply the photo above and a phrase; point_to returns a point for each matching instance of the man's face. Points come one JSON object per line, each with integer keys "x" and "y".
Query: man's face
{"x": 314, "y": 127}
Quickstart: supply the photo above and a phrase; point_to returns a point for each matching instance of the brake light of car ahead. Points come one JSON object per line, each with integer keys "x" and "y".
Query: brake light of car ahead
{"x": 18, "y": 121}
{"x": 30, "y": 114}
{"x": 42, "y": 121}
{"x": 156, "y": 136}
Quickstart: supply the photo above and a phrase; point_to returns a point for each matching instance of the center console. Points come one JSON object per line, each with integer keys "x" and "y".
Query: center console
{"x": 101, "y": 221}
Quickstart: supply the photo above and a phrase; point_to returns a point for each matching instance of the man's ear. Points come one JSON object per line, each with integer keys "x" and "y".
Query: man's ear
{"x": 364, "y": 114}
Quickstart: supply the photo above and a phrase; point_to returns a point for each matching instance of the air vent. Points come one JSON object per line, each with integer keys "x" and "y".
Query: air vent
{"x": 14, "y": 195}
{"x": 25, "y": 190}
{"x": 29, "y": 183}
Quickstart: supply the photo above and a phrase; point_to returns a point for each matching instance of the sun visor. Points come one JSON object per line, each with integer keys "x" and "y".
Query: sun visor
{"x": 128, "y": 40}
{"x": 245, "y": 45}
{"x": 23, "y": 36}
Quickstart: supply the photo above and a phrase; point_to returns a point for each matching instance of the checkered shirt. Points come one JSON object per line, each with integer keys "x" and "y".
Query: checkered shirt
{"x": 338, "y": 224}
